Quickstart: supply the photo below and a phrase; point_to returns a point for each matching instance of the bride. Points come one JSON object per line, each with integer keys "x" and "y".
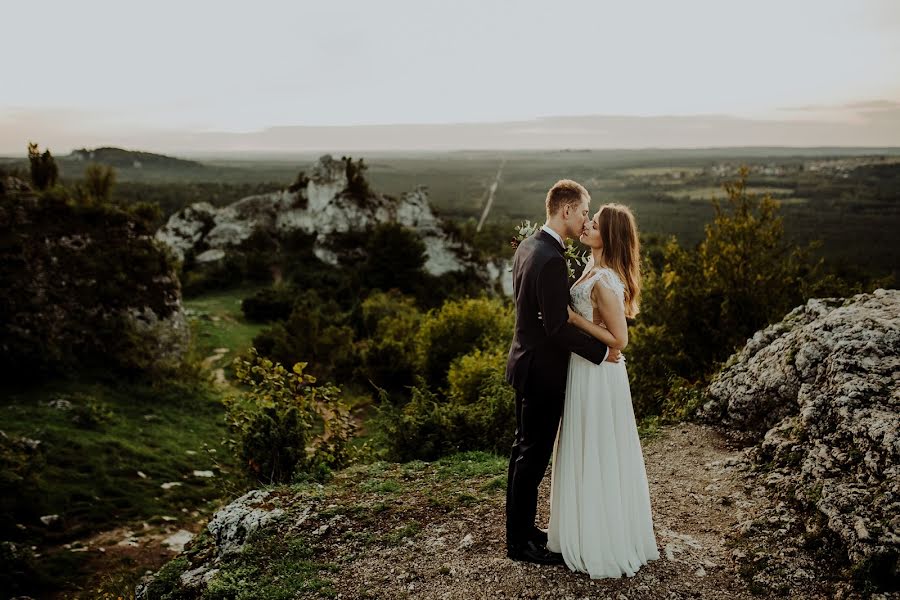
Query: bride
{"x": 600, "y": 517}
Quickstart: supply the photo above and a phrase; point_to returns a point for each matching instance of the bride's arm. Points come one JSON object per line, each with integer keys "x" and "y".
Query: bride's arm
{"x": 607, "y": 307}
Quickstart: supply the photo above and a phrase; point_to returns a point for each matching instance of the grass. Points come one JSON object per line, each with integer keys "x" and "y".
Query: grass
{"x": 109, "y": 474}
{"x": 466, "y": 465}
{"x": 402, "y": 532}
{"x": 220, "y": 322}
{"x": 106, "y": 458}
{"x": 91, "y": 475}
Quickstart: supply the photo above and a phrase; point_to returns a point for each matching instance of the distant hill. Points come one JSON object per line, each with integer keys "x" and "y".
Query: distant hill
{"x": 125, "y": 159}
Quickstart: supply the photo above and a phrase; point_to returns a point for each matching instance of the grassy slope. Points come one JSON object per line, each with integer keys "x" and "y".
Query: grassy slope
{"x": 166, "y": 432}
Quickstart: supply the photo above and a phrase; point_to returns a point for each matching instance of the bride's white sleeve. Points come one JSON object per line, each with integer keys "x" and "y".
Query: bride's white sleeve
{"x": 608, "y": 279}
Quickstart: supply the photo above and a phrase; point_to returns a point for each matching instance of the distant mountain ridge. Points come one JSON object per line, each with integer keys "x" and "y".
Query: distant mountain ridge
{"x": 123, "y": 159}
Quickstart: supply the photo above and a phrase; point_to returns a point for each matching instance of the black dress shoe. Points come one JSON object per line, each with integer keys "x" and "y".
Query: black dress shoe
{"x": 539, "y": 536}
{"x": 533, "y": 552}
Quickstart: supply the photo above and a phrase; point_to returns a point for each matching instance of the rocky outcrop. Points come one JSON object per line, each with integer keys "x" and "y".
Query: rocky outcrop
{"x": 231, "y": 526}
{"x": 229, "y": 531}
{"x": 325, "y": 204}
{"x": 819, "y": 396}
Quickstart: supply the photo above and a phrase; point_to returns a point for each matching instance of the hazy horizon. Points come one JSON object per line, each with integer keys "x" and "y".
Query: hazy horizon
{"x": 877, "y": 127}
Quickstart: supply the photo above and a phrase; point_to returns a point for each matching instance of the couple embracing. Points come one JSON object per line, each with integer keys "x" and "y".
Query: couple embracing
{"x": 573, "y": 400}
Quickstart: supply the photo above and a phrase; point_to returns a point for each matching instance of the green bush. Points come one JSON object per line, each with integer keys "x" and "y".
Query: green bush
{"x": 68, "y": 274}
{"x": 269, "y": 304}
{"x": 19, "y": 571}
{"x": 91, "y": 414}
{"x": 317, "y": 329}
{"x": 457, "y": 328}
{"x": 387, "y": 356}
{"x": 44, "y": 172}
{"x": 478, "y": 412}
{"x": 471, "y": 372}
{"x": 285, "y": 425}
{"x": 395, "y": 256}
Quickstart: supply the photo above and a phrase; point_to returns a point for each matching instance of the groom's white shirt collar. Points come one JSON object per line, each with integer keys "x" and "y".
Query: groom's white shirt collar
{"x": 555, "y": 235}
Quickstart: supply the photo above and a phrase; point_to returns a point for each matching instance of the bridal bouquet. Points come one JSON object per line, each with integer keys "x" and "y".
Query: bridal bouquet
{"x": 574, "y": 258}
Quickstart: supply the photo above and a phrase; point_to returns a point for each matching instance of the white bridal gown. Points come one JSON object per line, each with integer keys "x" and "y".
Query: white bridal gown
{"x": 600, "y": 518}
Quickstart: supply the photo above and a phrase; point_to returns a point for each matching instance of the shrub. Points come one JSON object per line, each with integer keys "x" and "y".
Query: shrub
{"x": 98, "y": 183}
{"x": 68, "y": 276}
{"x": 21, "y": 466}
{"x": 44, "y": 171}
{"x": 316, "y": 329}
{"x": 457, "y": 328}
{"x": 478, "y": 412}
{"x": 387, "y": 356}
{"x": 269, "y": 304}
{"x": 286, "y": 425}
{"x": 471, "y": 372}
{"x": 414, "y": 430}
{"x": 90, "y": 413}
{"x": 357, "y": 184}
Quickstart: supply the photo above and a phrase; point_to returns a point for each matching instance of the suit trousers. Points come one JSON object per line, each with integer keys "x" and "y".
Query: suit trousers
{"x": 538, "y": 413}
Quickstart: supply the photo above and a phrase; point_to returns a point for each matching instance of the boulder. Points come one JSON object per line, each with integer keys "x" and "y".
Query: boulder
{"x": 818, "y": 395}
{"x": 231, "y": 526}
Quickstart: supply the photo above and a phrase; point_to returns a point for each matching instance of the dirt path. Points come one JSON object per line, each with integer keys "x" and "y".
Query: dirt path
{"x": 697, "y": 497}
{"x": 490, "y": 199}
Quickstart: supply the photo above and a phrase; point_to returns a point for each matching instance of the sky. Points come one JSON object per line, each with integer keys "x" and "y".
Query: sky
{"x": 189, "y": 74}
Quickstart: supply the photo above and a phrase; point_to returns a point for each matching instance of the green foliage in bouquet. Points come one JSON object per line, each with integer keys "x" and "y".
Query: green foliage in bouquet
{"x": 575, "y": 259}
{"x": 285, "y": 426}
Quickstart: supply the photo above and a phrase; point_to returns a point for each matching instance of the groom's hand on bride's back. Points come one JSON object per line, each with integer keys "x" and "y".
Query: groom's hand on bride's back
{"x": 614, "y": 355}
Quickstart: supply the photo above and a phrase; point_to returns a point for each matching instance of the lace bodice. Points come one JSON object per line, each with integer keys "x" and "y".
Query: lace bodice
{"x": 581, "y": 291}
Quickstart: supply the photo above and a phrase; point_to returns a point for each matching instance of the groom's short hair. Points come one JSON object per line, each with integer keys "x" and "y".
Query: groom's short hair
{"x": 565, "y": 192}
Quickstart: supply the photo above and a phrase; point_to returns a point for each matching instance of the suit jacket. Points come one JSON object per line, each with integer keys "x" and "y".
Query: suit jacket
{"x": 543, "y": 338}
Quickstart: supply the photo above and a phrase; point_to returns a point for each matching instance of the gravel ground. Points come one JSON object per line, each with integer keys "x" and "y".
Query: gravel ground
{"x": 702, "y": 498}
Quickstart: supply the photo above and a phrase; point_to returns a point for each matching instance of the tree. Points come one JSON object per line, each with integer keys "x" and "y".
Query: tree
{"x": 395, "y": 258}
{"x": 357, "y": 185}
{"x": 98, "y": 182}
{"x": 705, "y": 302}
{"x": 44, "y": 171}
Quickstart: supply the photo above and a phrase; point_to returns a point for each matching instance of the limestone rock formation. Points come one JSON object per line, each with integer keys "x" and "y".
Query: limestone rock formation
{"x": 819, "y": 395}
{"x": 326, "y": 204}
{"x": 229, "y": 529}
{"x": 231, "y": 526}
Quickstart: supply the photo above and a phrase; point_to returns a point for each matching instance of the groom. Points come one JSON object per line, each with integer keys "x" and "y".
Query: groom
{"x": 538, "y": 362}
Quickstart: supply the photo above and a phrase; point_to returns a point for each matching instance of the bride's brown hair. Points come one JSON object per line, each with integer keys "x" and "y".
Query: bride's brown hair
{"x": 622, "y": 251}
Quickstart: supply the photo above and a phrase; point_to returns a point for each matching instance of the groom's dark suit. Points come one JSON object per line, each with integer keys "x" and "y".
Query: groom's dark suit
{"x": 537, "y": 368}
